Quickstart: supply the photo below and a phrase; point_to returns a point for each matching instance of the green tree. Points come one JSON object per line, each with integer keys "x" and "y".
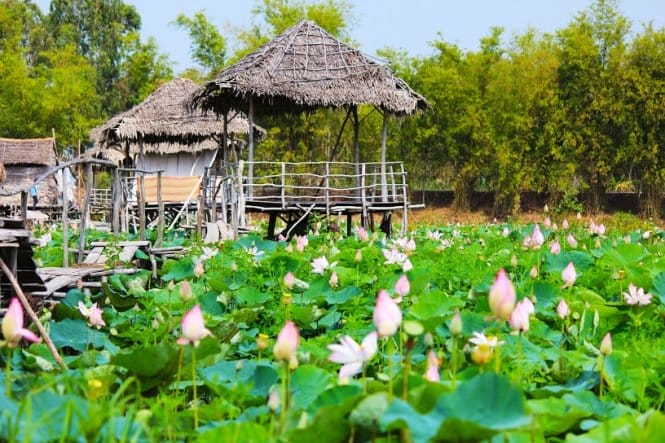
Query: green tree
{"x": 208, "y": 46}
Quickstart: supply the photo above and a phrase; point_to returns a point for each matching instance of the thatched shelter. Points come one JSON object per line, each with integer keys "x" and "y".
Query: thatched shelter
{"x": 24, "y": 160}
{"x": 170, "y": 138}
{"x": 305, "y": 68}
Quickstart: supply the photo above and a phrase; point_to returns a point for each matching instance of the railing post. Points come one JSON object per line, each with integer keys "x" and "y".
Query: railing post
{"x": 65, "y": 221}
{"x": 283, "y": 190}
{"x": 141, "y": 181}
{"x": 326, "y": 190}
{"x": 406, "y": 201}
{"x": 85, "y": 212}
{"x": 363, "y": 201}
{"x": 160, "y": 211}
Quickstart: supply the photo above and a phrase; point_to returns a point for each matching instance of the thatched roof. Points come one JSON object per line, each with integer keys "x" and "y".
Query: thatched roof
{"x": 303, "y": 68}
{"x": 164, "y": 125}
{"x": 32, "y": 151}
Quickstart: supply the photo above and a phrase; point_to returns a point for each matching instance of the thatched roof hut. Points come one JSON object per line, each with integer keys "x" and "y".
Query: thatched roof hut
{"x": 303, "y": 68}
{"x": 161, "y": 122}
{"x": 24, "y": 160}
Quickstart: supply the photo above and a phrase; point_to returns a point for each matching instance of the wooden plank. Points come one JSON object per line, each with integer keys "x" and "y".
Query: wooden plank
{"x": 122, "y": 244}
{"x": 173, "y": 188}
{"x": 94, "y": 255}
{"x": 128, "y": 252}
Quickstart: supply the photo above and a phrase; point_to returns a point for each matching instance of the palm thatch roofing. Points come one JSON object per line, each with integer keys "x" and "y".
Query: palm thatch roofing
{"x": 164, "y": 125}
{"x": 305, "y": 68}
{"x": 32, "y": 151}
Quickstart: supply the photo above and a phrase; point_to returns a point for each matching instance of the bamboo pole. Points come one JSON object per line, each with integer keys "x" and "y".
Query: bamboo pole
{"x": 250, "y": 143}
{"x": 141, "y": 180}
{"x": 26, "y": 305}
{"x": 117, "y": 201}
{"x": 65, "y": 221}
{"x": 86, "y": 211}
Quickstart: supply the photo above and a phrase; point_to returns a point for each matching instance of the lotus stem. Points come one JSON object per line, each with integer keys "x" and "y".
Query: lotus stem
{"x": 8, "y": 373}
{"x": 195, "y": 398}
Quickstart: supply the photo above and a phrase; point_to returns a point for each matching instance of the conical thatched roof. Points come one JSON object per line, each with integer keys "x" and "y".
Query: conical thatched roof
{"x": 304, "y": 68}
{"x": 164, "y": 125}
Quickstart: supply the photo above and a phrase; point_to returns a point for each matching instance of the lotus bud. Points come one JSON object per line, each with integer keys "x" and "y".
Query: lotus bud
{"x": 571, "y": 241}
{"x": 273, "y": 400}
{"x": 547, "y": 222}
{"x": 534, "y": 272}
{"x": 289, "y": 280}
{"x": 569, "y": 275}
{"x": 432, "y": 373}
{"x": 456, "y": 324}
{"x": 171, "y": 286}
{"x": 334, "y": 280}
{"x": 359, "y": 256}
{"x": 234, "y": 267}
{"x": 198, "y": 269}
{"x": 562, "y": 309}
{"x": 513, "y": 261}
{"x": 428, "y": 339}
{"x": 387, "y": 315}
{"x": 502, "y": 296}
{"x": 555, "y": 248}
{"x": 565, "y": 224}
{"x": 185, "y": 290}
{"x": 606, "y": 345}
{"x": 287, "y": 342}
{"x": 402, "y": 287}
{"x": 262, "y": 342}
{"x": 519, "y": 319}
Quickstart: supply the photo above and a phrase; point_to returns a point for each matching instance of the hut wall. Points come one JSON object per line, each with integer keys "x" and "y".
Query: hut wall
{"x": 179, "y": 164}
{"x": 21, "y": 177}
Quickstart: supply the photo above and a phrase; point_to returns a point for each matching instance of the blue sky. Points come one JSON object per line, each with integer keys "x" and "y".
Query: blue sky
{"x": 400, "y": 24}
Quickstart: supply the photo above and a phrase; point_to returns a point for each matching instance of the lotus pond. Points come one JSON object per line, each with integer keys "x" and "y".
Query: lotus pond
{"x": 495, "y": 332}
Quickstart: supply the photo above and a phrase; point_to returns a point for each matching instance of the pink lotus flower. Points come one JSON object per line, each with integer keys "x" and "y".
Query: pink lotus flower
{"x": 534, "y": 272}
{"x": 387, "y": 315}
{"x": 92, "y": 314}
{"x": 565, "y": 224}
{"x": 569, "y": 275}
{"x": 12, "y": 326}
{"x": 287, "y": 343}
{"x": 361, "y": 233}
{"x": 636, "y": 296}
{"x": 289, "y": 280}
{"x": 432, "y": 373}
{"x": 606, "y": 345}
{"x": 193, "y": 327}
{"x": 528, "y": 305}
{"x": 555, "y": 248}
{"x": 352, "y": 355}
{"x": 502, "y": 296}
{"x": 407, "y": 266}
{"x": 402, "y": 288}
{"x": 519, "y": 319}
{"x": 562, "y": 309}
{"x": 393, "y": 256}
{"x": 547, "y": 222}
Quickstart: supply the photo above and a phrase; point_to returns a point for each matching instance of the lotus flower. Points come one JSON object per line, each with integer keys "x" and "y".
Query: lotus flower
{"x": 562, "y": 309}
{"x": 334, "y": 280}
{"x": 185, "y": 290}
{"x": 387, "y": 315}
{"x": 402, "y": 288}
{"x": 502, "y": 296}
{"x": 393, "y": 256}
{"x": 301, "y": 243}
{"x": 12, "y": 325}
{"x": 352, "y": 355}
{"x": 565, "y": 224}
{"x": 289, "y": 280}
{"x": 92, "y": 314}
{"x": 569, "y": 275}
{"x": 198, "y": 269}
{"x": 571, "y": 241}
{"x": 519, "y": 319}
{"x": 484, "y": 347}
{"x": 193, "y": 327}
{"x": 287, "y": 343}
{"x": 361, "y": 233}
{"x": 432, "y": 373}
{"x": 537, "y": 237}
{"x": 407, "y": 266}
{"x": 636, "y": 296}
{"x": 555, "y": 248}
{"x": 456, "y": 324}
{"x": 359, "y": 256}
{"x": 319, "y": 265}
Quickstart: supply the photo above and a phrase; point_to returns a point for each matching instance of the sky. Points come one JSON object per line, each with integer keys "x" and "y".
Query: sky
{"x": 400, "y": 24}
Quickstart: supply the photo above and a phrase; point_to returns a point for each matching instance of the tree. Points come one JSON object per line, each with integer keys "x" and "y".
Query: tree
{"x": 208, "y": 46}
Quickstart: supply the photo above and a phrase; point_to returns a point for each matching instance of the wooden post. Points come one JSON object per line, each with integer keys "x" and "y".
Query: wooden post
{"x": 117, "y": 201}
{"x": 65, "y": 221}
{"x": 394, "y": 184}
{"x": 141, "y": 183}
{"x": 250, "y": 149}
{"x": 283, "y": 190}
{"x": 363, "y": 202}
{"x": 86, "y": 210}
{"x": 356, "y": 144}
{"x": 406, "y": 203}
{"x": 199, "y": 214}
{"x": 160, "y": 211}
{"x": 384, "y": 138}
{"x": 326, "y": 190}
{"x": 24, "y": 206}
